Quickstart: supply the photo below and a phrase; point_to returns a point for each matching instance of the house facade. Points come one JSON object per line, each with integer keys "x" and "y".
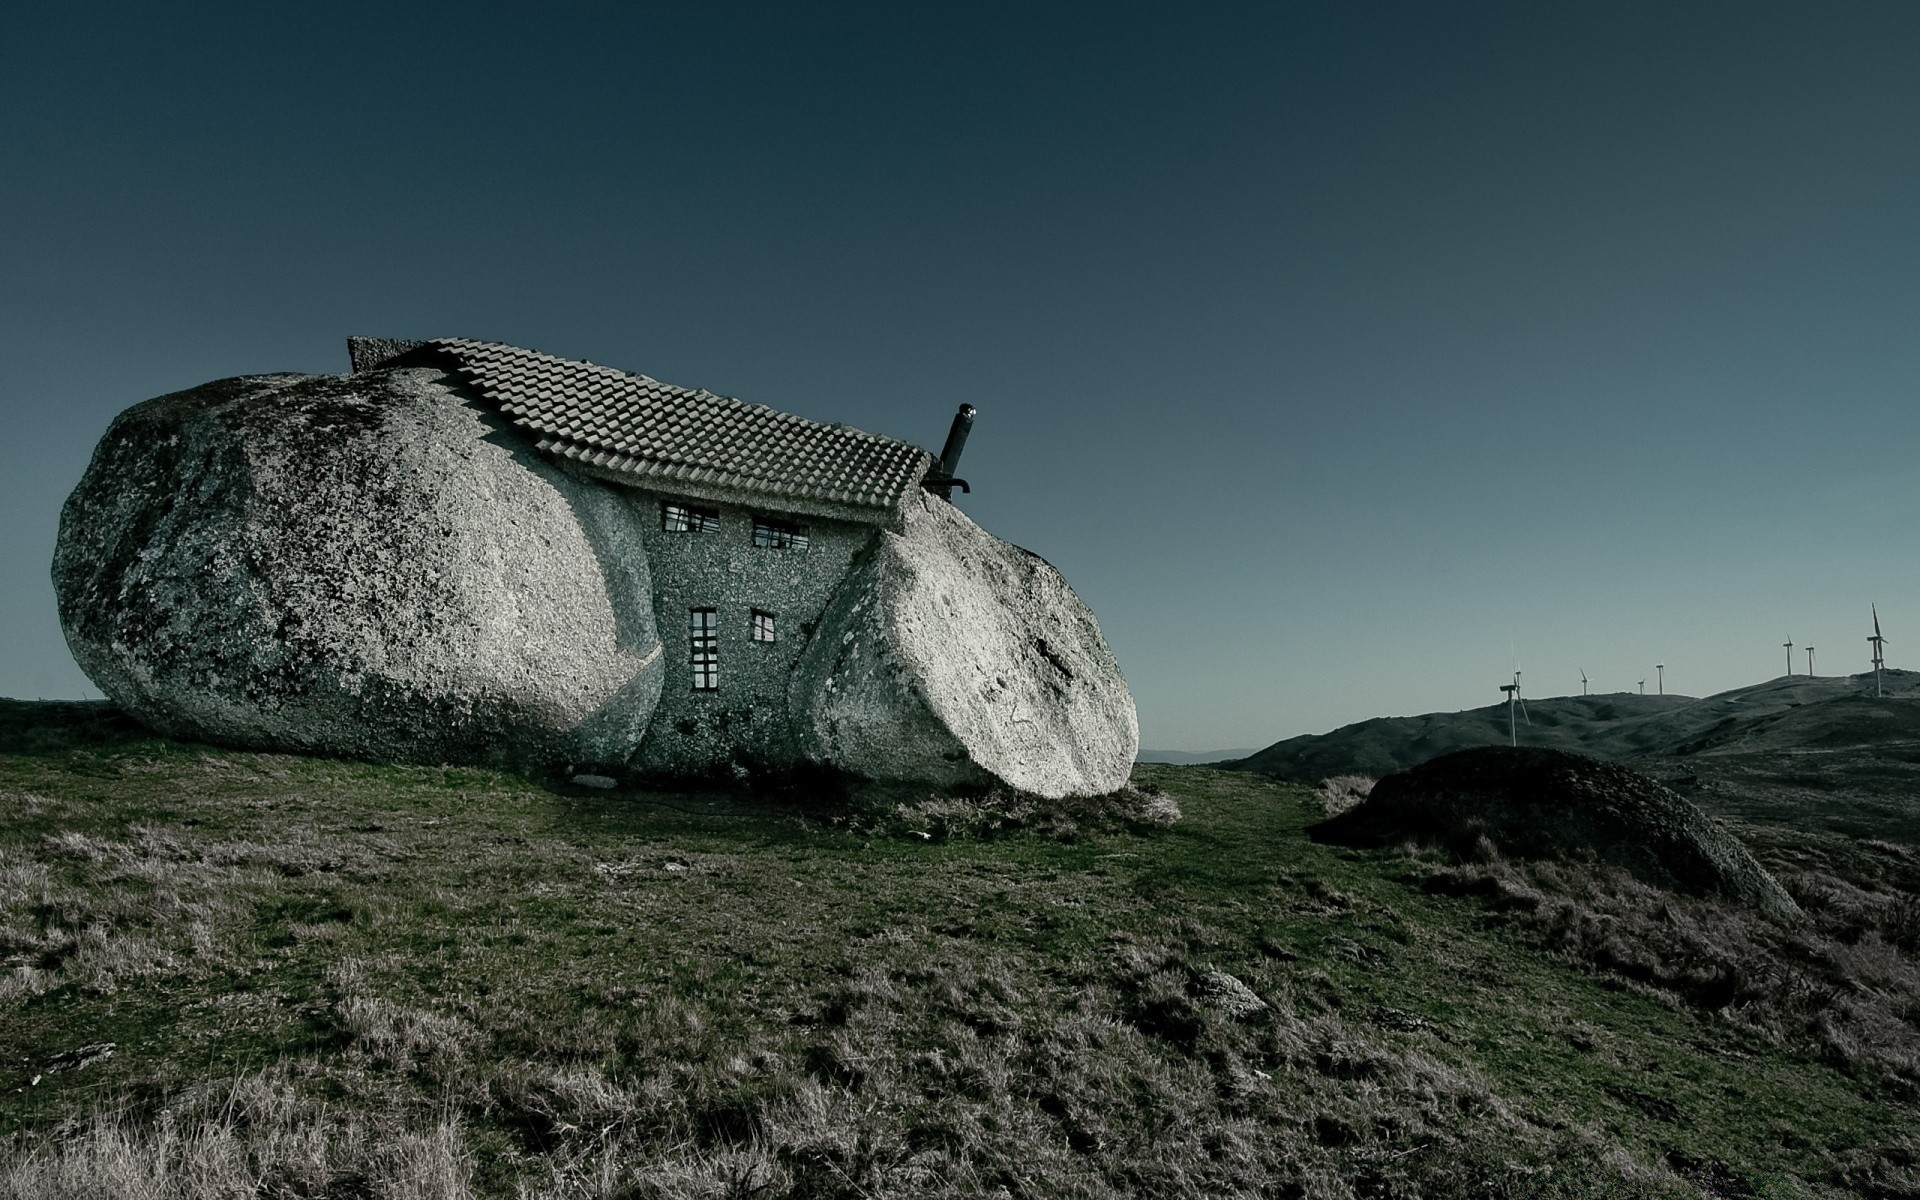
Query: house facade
{"x": 738, "y": 591}
{"x": 752, "y": 520}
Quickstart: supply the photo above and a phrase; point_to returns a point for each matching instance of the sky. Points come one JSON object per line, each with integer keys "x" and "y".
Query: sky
{"x": 1343, "y": 356}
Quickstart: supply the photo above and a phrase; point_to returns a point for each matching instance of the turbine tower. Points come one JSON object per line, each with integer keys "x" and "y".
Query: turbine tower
{"x": 1661, "y": 668}
{"x": 1789, "y": 645}
{"x": 1583, "y": 681}
{"x": 1643, "y": 687}
{"x": 1809, "y": 662}
{"x": 1878, "y": 642}
{"x": 1513, "y": 698}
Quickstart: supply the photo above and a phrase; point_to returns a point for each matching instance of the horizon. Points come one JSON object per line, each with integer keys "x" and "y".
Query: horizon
{"x": 1496, "y": 704}
{"x": 1342, "y": 360}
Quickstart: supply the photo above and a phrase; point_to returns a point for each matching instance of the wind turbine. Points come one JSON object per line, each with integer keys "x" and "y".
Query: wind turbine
{"x": 1643, "y": 687}
{"x": 1878, "y": 642}
{"x": 1662, "y": 669}
{"x": 1789, "y": 645}
{"x": 1583, "y": 681}
{"x": 1809, "y": 662}
{"x": 1513, "y": 698}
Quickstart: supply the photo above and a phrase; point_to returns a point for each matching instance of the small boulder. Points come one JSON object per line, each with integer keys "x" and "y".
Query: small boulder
{"x": 956, "y": 658}
{"x": 366, "y": 565}
{"x": 1537, "y": 803}
{"x": 1228, "y": 995}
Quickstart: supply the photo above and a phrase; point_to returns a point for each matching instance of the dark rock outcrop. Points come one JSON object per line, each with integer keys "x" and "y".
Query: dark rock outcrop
{"x": 1536, "y": 803}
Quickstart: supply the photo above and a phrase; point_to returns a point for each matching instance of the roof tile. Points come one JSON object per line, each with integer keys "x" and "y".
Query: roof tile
{"x": 646, "y": 429}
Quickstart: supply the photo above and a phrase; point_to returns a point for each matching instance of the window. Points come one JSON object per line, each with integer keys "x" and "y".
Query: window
{"x": 704, "y": 640}
{"x": 688, "y": 518}
{"x": 769, "y": 534}
{"x": 763, "y": 627}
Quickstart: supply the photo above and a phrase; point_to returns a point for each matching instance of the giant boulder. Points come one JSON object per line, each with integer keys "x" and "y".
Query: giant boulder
{"x": 367, "y": 565}
{"x": 953, "y": 657}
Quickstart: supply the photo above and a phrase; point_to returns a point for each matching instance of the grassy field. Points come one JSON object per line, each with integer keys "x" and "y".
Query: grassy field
{"x": 330, "y": 979}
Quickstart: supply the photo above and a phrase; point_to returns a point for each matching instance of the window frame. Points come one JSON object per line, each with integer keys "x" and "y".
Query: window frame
{"x": 759, "y": 620}
{"x": 772, "y": 533}
{"x": 693, "y": 518}
{"x": 703, "y": 649}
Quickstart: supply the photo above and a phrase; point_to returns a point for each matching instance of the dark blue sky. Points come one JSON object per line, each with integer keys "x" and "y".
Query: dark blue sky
{"x": 1338, "y": 353}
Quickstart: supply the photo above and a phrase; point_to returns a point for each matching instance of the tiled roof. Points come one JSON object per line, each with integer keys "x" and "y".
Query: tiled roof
{"x": 658, "y": 434}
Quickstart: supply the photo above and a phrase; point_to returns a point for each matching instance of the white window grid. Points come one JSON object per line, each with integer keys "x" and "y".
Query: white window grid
{"x": 688, "y": 518}
{"x": 769, "y": 534}
{"x": 703, "y": 627}
{"x": 764, "y": 627}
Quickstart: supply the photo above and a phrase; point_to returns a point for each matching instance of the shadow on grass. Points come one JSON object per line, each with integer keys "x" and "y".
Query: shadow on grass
{"x": 55, "y": 727}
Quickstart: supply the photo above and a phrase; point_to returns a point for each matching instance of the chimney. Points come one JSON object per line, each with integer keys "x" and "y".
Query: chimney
{"x": 943, "y": 480}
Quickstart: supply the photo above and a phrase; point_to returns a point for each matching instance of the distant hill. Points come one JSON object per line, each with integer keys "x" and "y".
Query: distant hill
{"x": 1781, "y": 714}
{"x": 1188, "y": 757}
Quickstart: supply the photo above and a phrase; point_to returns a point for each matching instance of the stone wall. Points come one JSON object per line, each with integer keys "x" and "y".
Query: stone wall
{"x": 744, "y": 721}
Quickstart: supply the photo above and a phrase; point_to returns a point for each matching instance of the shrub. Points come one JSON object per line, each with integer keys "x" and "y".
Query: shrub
{"x": 1342, "y": 792}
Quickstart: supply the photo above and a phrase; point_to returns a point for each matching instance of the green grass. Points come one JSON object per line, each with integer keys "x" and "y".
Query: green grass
{"x": 333, "y": 978}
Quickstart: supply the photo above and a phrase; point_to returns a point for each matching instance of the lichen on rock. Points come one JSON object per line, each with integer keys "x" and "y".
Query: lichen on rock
{"x": 958, "y": 658}
{"x": 368, "y": 565}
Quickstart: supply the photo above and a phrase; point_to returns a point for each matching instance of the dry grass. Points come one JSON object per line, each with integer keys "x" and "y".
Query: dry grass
{"x": 934, "y": 1076}
{"x": 1845, "y": 985}
{"x": 1000, "y": 812}
{"x": 97, "y": 912}
{"x": 258, "y": 1139}
{"x": 461, "y": 983}
{"x": 926, "y": 1076}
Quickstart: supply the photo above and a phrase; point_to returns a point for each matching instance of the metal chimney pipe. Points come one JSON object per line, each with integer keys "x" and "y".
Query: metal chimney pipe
{"x": 956, "y": 441}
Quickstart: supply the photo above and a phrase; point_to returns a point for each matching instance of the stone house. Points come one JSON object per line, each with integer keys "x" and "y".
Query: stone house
{"x": 537, "y": 558}
{"x": 751, "y": 518}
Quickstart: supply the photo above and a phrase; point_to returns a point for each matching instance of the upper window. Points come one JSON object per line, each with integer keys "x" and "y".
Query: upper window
{"x": 688, "y": 518}
{"x": 769, "y": 534}
{"x": 763, "y": 627}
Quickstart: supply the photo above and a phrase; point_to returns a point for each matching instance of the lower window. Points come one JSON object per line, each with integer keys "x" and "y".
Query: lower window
{"x": 763, "y": 627}
{"x": 703, "y": 629}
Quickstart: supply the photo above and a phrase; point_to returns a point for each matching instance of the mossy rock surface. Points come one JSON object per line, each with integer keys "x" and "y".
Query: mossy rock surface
{"x": 368, "y": 565}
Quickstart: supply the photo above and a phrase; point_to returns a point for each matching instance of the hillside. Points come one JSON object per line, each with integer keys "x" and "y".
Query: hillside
{"x": 1775, "y": 715}
{"x": 256, "y": 974}
{"x": 1189, "y": 757}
